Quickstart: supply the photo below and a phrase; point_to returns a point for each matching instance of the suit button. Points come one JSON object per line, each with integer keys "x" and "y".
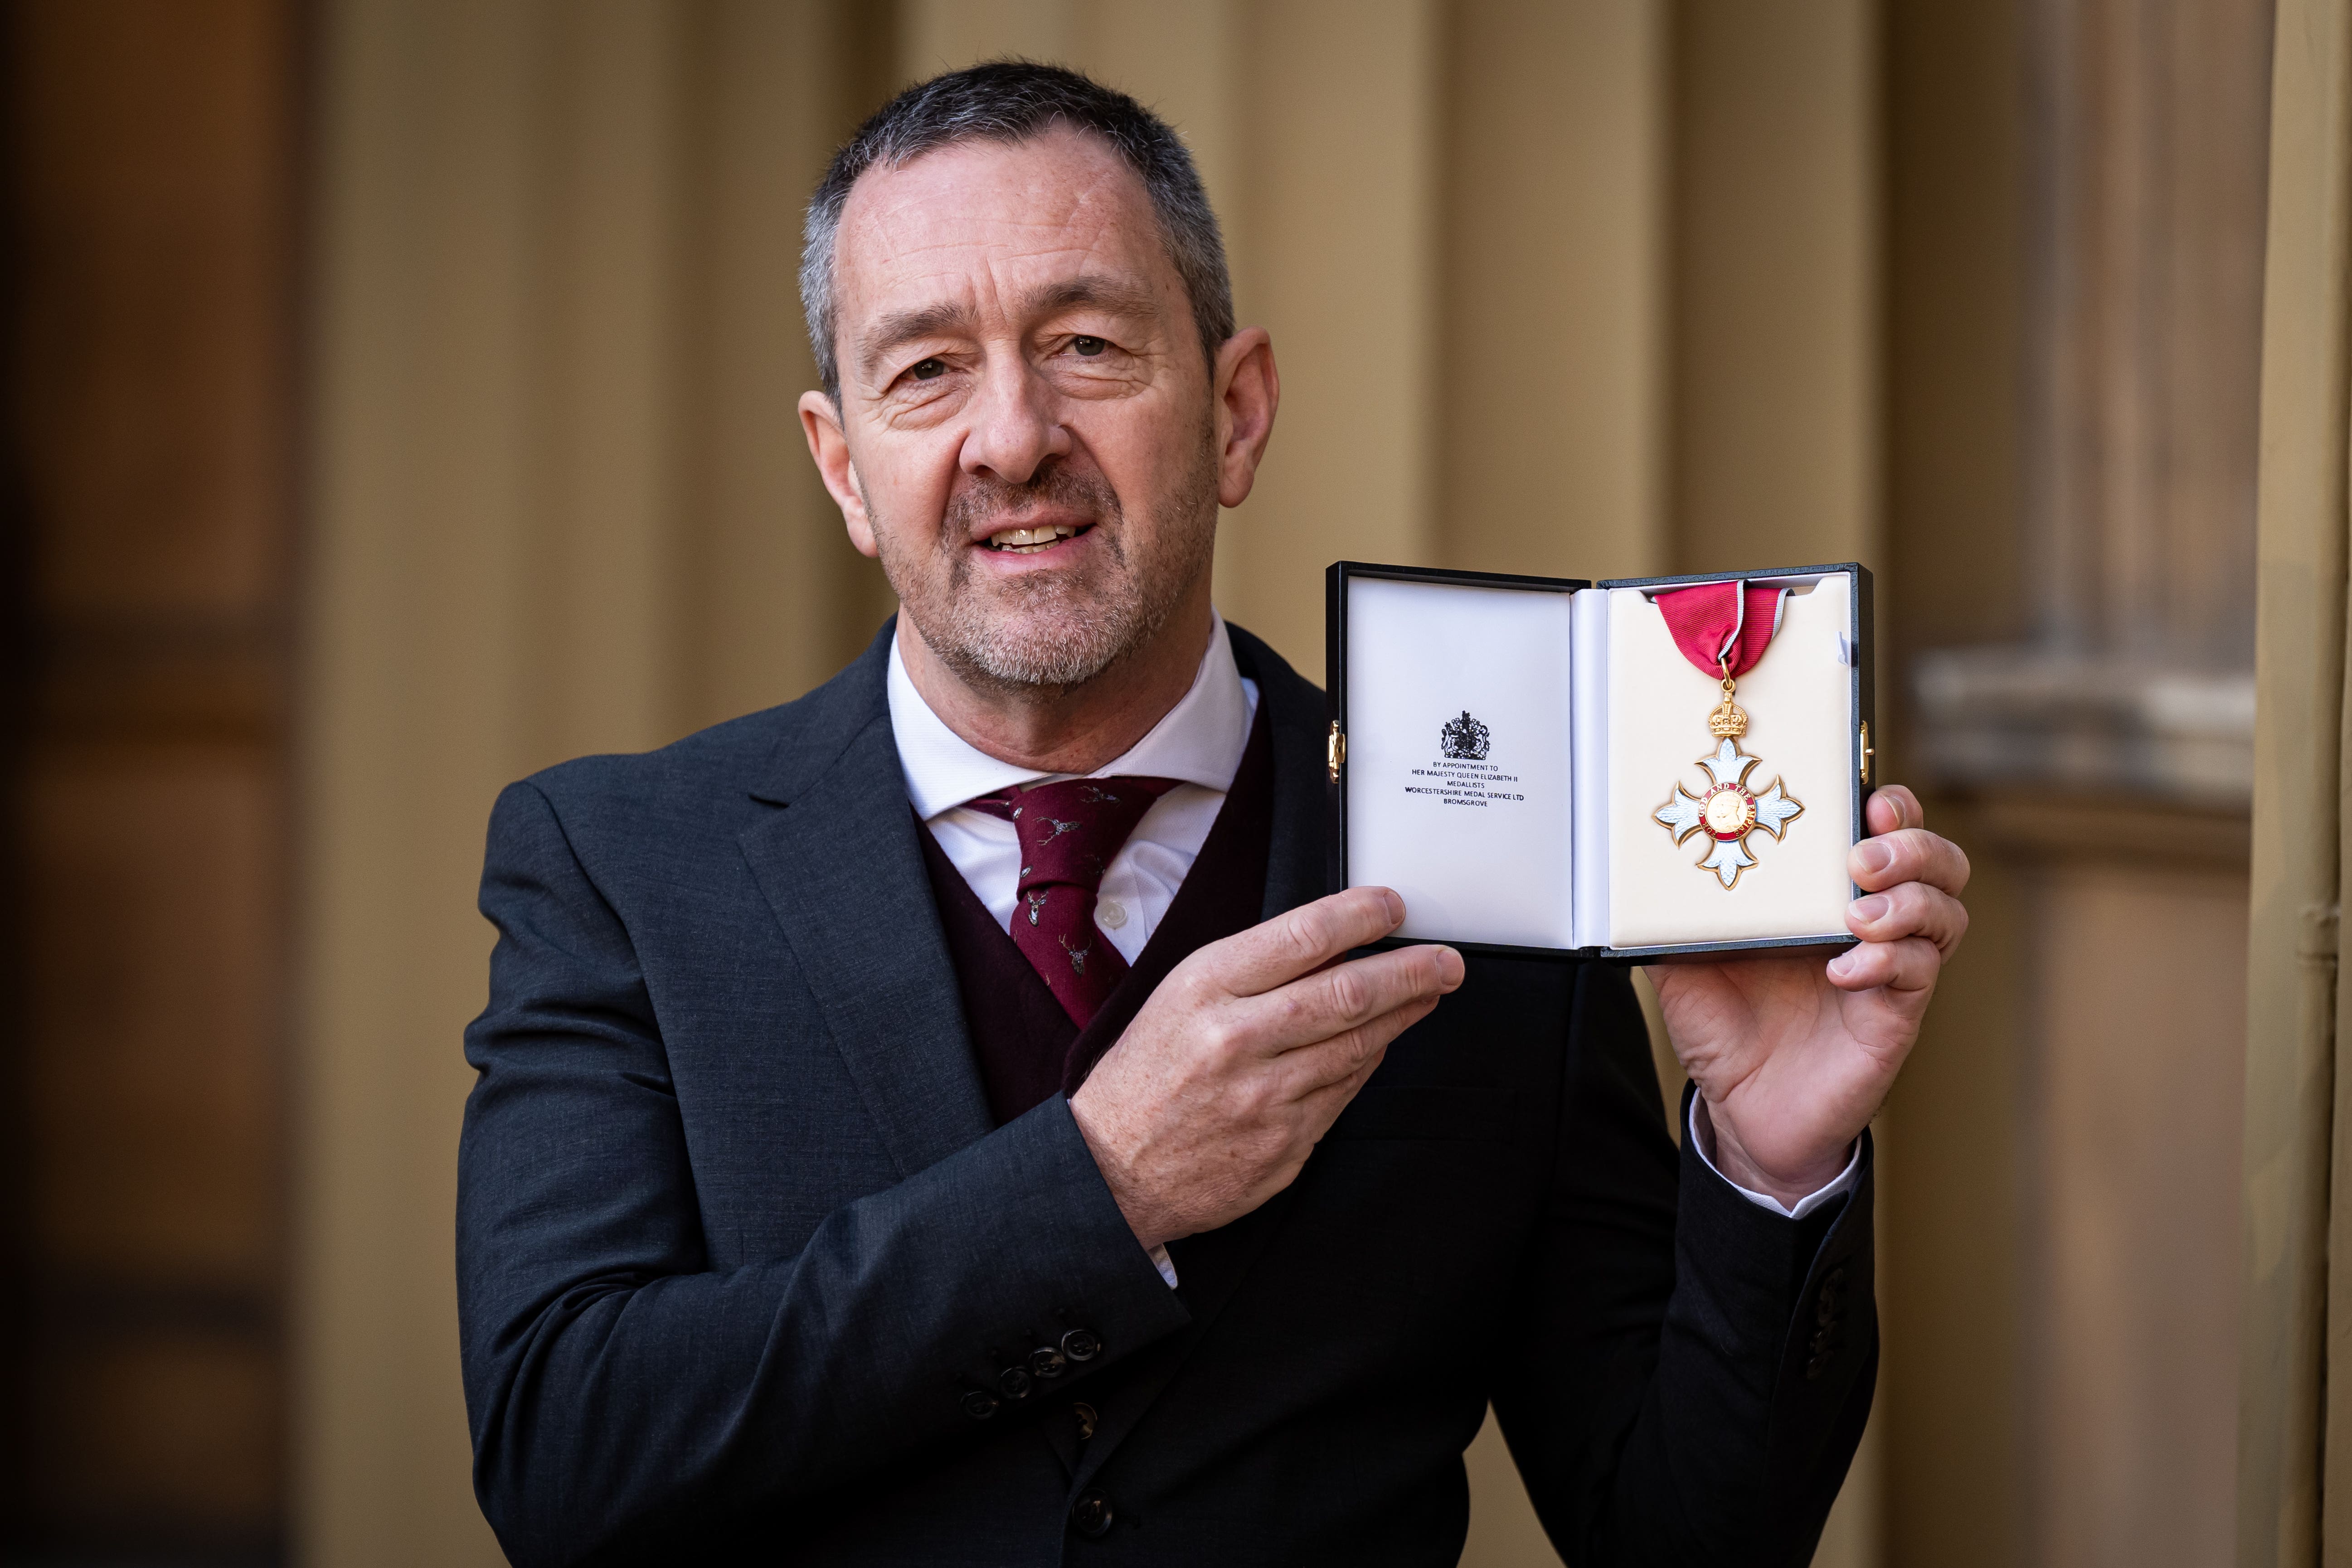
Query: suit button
{"x": 1047, "y": 1362}
{"x": 1014, "y": 1381}
{"x": 979, "y": 1404}
{"x": 1090, "y": 1516}
{"x": 1082, "y": 1345}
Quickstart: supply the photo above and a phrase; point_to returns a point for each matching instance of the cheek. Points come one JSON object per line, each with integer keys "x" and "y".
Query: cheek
{"x": 905, "y": 479}
{"x": 1150, "y": 452}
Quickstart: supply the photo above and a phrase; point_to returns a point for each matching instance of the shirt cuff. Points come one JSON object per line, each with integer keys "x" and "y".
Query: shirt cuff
{"x": 1837, "y": 1187}
{"x": 1167, "y": 1265}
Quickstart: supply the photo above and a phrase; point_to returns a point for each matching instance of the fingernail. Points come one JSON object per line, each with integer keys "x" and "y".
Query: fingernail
{"x": 1872, "y": 908}
{"x": 1842, "y": 964}
{"x": 1873, "y": 857}
{"x": 1395, "y": 905}
{"x": 1449, "y": 967}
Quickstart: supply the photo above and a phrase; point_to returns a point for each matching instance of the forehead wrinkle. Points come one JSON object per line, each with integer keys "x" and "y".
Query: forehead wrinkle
{"x": 1079, "y": 222}
{"x": 1116, "y": 296}
{"x": 900, "y": 214}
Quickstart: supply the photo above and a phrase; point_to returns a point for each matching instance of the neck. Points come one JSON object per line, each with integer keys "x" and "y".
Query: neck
{"x": 1078, "y": 728}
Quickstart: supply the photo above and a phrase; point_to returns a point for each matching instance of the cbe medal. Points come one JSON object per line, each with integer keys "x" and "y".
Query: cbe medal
{"x": 1724, "y": 628}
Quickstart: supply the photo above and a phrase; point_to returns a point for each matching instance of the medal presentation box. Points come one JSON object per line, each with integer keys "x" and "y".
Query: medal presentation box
{"x": 1539, "y": 765}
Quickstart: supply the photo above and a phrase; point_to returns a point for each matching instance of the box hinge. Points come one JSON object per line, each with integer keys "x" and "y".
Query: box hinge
{"x": 1336, "y": 752}
{"x": 1866, "y": 754}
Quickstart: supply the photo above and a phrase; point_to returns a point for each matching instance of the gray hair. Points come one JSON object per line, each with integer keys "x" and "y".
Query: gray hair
{"x": 1013, "y": 101}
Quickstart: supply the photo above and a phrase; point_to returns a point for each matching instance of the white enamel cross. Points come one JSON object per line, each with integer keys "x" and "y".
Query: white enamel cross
{"x": 1726, "y": 812}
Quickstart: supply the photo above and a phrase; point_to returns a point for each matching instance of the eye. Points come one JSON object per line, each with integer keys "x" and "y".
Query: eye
{"x": 928, "y": 370}
{"x": 1088, "y": 348}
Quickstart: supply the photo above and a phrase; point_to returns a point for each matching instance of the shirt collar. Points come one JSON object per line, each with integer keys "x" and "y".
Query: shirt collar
{"x": 1200, "y": 741}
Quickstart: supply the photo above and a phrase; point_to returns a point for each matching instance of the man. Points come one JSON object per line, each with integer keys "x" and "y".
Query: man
{"x": 939, "y": 1120}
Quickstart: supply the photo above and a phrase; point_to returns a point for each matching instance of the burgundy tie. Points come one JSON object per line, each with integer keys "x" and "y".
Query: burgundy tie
{"x": 1069, "y": 831}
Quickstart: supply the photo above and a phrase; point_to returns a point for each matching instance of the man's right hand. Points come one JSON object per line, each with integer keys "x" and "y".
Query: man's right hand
{"x": 1242, "y": 1060}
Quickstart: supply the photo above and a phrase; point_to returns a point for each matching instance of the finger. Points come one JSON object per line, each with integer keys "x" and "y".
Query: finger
{"x": 1299, "y": 1074}
{"x": 1894, "y": 806}
{"x": 1300, "y": 939}
{"x": 1909, "y": 908}
{"x": 1321, "y": 1107}
{"x": 1334, "y": 1000}
{"x": 1908, "y": 855}
{"x": 1910, "y": 964}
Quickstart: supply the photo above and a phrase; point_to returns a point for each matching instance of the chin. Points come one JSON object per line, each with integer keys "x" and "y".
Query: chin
{"x": 1010, "y": 656}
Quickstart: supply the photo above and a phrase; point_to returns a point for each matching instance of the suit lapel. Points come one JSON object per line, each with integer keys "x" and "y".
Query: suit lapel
{"x": 1211, "y": 1267}
{"x": 841, "y": 868}
{"x": 1297, "y": 869}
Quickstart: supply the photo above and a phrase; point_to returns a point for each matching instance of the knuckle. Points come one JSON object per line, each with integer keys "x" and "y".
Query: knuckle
{"x": 1304, "y": 934}
{"x": 1188, "y": 984}
{"x": 1348, "y": 992}
{"x": 1219, "y": 1038}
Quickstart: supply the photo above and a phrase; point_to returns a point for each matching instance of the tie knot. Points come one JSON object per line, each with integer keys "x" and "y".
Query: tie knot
{"x": 1071, "y": 828}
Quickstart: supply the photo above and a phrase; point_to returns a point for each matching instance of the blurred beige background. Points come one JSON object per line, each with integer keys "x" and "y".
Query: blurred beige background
{"x": 404, "y": 402}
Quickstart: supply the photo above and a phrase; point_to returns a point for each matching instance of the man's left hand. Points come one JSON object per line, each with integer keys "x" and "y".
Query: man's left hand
{"x": 1793, "y": 1057}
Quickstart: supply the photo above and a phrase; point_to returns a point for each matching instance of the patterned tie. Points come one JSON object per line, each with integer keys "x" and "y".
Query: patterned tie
{"x": 1069, "y": 830}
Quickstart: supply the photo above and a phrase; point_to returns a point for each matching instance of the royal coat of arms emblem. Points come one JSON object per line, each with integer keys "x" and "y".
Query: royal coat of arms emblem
{"x": 1464, "y": 740}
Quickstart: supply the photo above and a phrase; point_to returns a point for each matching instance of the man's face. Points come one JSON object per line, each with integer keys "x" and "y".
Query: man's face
{"x": 1027, "y": 411}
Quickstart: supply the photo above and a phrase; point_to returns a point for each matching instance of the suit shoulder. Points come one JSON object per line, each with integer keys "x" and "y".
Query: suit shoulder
{"x": 724, "y": 765}
{"x": 714, "y": 773}
{"x": 724, "y": 758}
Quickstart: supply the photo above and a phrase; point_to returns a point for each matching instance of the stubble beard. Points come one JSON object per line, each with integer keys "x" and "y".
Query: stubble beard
{"x": 1046, "y": 633}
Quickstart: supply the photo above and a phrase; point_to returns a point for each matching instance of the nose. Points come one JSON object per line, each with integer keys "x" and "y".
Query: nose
{"x": 1015, "y": 423}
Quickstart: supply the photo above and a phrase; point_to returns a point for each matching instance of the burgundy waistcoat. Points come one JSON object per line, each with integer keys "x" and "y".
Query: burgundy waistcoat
{"x": 1028, "y": 1048}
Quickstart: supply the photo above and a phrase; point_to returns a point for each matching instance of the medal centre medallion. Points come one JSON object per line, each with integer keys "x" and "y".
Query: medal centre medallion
{"x": 1729, "y": 811}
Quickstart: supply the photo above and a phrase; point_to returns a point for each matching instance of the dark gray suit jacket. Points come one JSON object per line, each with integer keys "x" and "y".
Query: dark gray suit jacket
{"x": 737, "y": 1241}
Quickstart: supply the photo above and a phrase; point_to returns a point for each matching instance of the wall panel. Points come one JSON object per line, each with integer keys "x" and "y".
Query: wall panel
{"x": 1775, "y": 319}
{"x": 1340, "y": 209}
{"x": 147, "y": 522}
{"x": 1551, "y": 444}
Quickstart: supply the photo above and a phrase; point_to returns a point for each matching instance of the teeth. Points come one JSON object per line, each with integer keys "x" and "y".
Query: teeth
{"x": 1029, "y": 540}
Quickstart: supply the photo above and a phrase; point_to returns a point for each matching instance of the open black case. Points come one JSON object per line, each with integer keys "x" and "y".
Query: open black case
{"x": 1501, "y": 748}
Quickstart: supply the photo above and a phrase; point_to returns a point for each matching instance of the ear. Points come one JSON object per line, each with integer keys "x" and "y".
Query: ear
{"x": 821, "y": 422}
{"x": 1247, "y": 390}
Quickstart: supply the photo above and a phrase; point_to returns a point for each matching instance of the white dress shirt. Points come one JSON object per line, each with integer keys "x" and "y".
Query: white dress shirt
{"x": 1198, "y": 742}
{"x": 1841, "y": 1182}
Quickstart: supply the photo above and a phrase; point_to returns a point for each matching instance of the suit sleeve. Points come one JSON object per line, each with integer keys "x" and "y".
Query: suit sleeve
{"x": 619, "y": 1390}
{"x": 1697, "y": 1370}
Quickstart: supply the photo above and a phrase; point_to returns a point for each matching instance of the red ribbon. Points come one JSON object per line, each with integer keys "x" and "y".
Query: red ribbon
{"x": 1714, "y": 620}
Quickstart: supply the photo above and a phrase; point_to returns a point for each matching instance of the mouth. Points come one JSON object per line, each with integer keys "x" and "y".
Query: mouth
{"x": 1035, "y": 541}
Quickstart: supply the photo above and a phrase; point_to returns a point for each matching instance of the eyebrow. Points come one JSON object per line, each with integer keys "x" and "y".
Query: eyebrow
{"x": 906, "y": 326}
